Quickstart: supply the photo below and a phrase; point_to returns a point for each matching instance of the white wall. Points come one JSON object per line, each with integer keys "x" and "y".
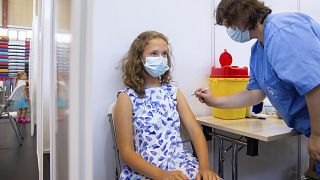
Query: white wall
{"x": 311, "y": 7}
{"x": 188, "y": 25}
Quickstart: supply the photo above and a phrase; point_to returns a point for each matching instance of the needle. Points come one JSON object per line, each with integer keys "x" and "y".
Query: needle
{"x": 203, "y": 90}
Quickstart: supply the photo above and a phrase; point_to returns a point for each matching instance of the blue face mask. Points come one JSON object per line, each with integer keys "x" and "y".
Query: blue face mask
{"x": 238, "y": 35}
{"x": 156, "y": 66}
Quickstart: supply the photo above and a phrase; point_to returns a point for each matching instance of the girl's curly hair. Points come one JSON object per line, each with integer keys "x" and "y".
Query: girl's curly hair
{"x": 132, "y": 66}
{"x": 248, "y": 12}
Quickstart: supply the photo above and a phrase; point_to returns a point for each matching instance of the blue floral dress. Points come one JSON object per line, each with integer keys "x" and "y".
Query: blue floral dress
{"x": 156, "y": 132}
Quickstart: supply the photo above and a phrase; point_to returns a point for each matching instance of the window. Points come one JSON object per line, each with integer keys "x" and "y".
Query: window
{"x": 13, "y": 34}
{"x": 22, "y": 35}
{"x": 29, "y": 34}
{"x": 16, "y": 34}
{"x": 20, "y": 13}
{"x": 3, "y": 32}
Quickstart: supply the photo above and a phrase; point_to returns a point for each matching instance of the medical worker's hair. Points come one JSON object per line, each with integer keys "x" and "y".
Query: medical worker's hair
{"x": 133, "y": 69}
{"x": 243, "y": 14}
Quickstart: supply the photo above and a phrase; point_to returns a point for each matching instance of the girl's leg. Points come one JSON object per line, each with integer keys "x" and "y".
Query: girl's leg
{"x": 23, "y": 116}
{"x": 19, "y": 111}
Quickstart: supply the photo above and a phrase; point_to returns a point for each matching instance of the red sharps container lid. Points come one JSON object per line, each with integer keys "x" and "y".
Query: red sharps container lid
{"x": 225, "y": 59}
{"x": 227, "y": 71}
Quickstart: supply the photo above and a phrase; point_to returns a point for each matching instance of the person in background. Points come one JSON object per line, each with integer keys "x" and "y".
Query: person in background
{"x": 284, "y": 65}
{"x": 22, "y": 106}
{"x": 148, "y": 115}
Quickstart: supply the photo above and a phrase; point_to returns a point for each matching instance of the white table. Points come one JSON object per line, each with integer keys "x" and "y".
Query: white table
{"x": 254, "y": 130}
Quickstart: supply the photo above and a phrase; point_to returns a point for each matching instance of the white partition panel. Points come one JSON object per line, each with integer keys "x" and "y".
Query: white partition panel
{"x": 45, "y": 88}
{"x": 283, "y": 5}
{"x": 46, "y": 75}
{"x": 188, "y": 25}
{"x": 61, "y": 69}
{"x": 38, "y": 103}
{"x": 311, "y": 7}
{"x": 80, "y": 92}
{"x": 34, "y": 69}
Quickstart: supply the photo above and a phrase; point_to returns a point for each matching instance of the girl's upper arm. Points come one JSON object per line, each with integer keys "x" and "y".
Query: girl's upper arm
{"x": 123, "y": 122}
{"x": 186, "y": 115}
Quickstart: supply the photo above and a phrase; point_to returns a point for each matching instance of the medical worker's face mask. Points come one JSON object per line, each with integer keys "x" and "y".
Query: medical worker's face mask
{"x": 156, "y": 66}
{"x": 238, "y": 35}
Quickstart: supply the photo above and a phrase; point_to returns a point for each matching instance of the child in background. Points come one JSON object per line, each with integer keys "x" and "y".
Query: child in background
{"x": 22, "y": 106}
{"x": 148, "y": 114}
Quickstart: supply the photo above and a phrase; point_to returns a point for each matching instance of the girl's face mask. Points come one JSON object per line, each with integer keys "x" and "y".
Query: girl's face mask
{"x": 238, "y": 35}
{"x": 156, "y": 66}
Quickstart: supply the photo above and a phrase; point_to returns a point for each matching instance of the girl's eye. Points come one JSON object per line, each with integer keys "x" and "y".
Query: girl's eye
{"x": 154, "y": 54}
{"x": 165, "y": 54}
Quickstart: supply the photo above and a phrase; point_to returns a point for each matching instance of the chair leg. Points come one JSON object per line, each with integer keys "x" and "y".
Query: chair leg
{"x": 194, "y": 153}
{"x": 117, "y": 175}
{"x": 19, "y": 128}
{"x": 15, "y": 131}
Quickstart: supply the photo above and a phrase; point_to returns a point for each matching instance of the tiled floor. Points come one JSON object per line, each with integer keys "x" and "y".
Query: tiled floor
{"x": 17, "y": 162}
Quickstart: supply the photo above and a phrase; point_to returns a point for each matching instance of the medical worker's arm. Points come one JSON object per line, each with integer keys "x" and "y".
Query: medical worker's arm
{"x": 313, "y": 102}
{"x": 124, "y": 133}
{"x": 197, "y": 138}
{"x": 244, "y": 98}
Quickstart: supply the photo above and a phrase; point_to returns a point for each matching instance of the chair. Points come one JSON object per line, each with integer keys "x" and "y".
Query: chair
{"x": 6, "y": 112}
{"x": 114, "y": 139}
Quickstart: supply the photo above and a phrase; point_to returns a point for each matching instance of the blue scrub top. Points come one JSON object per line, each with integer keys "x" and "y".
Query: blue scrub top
{"x": 288, "y": 66}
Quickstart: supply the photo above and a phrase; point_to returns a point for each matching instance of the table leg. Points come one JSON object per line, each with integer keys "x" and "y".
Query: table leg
{"x": 235, "y": 162}
{"x": 299, "y": 158}
{"x": 221, "y": 158}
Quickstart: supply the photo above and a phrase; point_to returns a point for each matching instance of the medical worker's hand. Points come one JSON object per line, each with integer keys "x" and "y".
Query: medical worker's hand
{"x": 204, "y": 96}
{"x": 172, "y": 175}
{"x": 207, "y": 175}
{"x": 314, "y": 147}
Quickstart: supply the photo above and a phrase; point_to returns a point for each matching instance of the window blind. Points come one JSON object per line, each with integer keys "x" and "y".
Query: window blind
{"x": 20, "y": 13}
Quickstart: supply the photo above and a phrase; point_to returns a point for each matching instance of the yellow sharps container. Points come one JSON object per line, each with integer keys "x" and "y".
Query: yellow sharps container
{"x": 227, "y": 80}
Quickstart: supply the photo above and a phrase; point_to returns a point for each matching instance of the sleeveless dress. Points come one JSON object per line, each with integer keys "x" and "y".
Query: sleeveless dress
{"x": 23, "y": 103}
{"x": 156, "y": 132}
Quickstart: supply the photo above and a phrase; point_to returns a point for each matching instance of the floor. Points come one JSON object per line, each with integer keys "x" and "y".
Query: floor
{"x": 18, "y": 162}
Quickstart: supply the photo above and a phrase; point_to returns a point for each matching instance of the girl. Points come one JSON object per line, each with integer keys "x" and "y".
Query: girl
{"x": 22, "y": 106}
{"x": 148, "y": 114}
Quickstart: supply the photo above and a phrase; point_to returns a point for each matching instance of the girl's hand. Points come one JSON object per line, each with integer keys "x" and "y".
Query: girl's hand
{"x": 172, "y": 175}
{"x": 207, "y": 175}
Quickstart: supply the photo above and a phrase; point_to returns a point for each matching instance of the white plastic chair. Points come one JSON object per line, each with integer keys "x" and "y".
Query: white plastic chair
{"x": 6, "y": 111}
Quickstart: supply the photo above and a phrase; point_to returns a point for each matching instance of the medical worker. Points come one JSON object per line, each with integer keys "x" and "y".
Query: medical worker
{"x": 284, "y": 65}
